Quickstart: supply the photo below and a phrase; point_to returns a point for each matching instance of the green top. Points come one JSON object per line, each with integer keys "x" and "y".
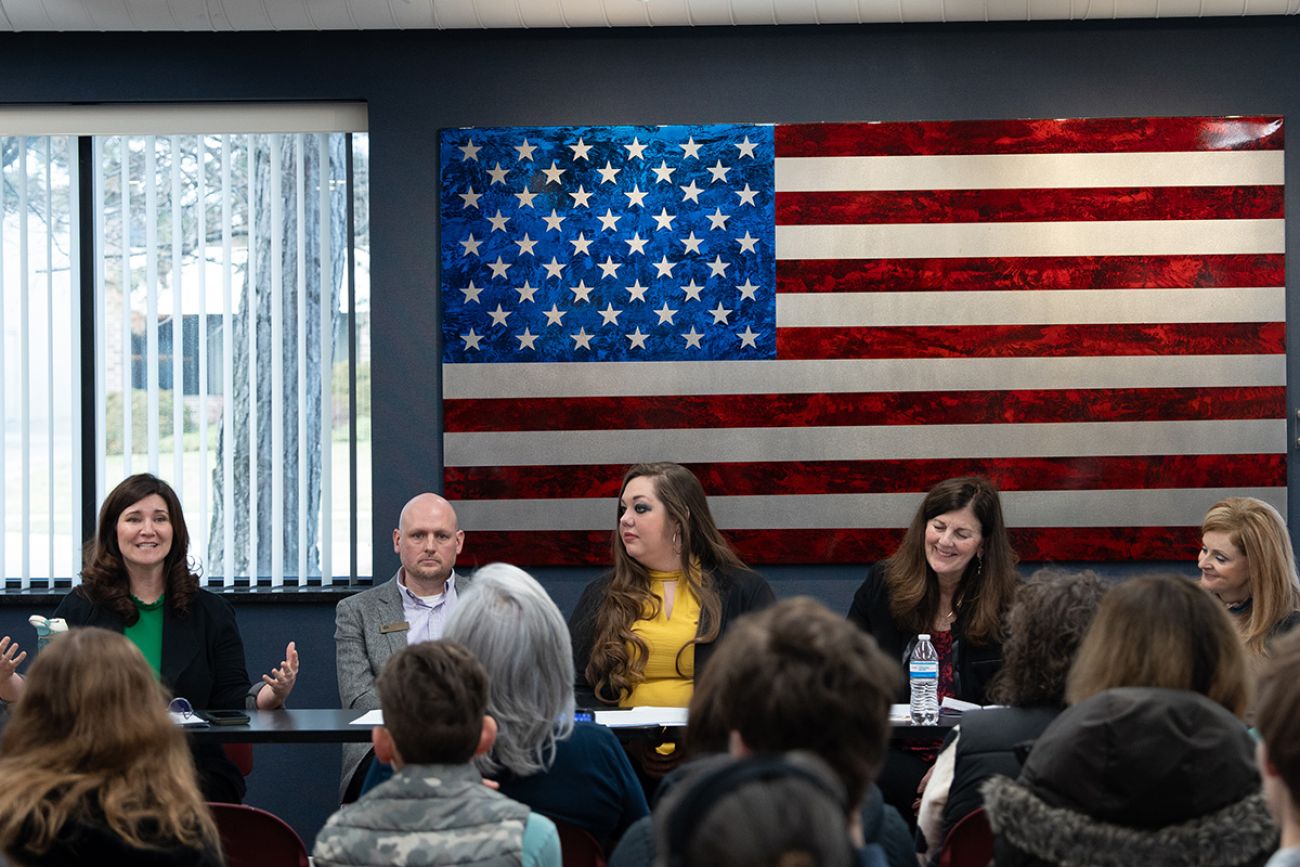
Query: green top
{"x": 146, "y": 633}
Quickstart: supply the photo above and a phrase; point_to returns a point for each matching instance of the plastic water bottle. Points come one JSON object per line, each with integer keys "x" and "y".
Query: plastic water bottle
{"x": 923, "y": 674}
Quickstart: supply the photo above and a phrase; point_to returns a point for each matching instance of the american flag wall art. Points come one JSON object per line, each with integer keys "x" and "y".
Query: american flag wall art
{"x": 823, "y": 320}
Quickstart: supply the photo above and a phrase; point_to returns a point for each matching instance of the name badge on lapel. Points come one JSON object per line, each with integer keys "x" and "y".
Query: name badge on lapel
{"x": 399, "y": 626}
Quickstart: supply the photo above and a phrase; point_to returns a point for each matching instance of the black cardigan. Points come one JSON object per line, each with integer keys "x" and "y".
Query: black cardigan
{"x": 973, "y": 666}
{"x": 740, "y": 591}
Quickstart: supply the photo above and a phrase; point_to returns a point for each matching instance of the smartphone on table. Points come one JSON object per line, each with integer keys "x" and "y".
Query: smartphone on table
{"x": 225, "y": 717}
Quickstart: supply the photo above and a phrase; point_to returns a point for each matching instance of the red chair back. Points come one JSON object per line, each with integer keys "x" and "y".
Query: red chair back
{"x": 578, "y": 848}
{"x": 241, "y": 756}
{"x": 969, "y": 843}
{"x": 255, "y": 838}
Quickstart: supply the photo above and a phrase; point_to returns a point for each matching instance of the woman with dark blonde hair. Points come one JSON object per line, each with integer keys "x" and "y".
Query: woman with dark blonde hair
{"x": 1247, "y": 562}
{"x": 1162, "y": 631}
{"x": 642, "y": 632}
{"x": 93, "y": 770}
{"x": 137, "y": 580}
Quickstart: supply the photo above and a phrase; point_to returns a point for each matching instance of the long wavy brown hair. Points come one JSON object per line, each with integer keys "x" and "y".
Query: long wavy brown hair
{"x": 612, "y": 671}
{"x": 90, "y": 741}
{"x": 987, "y": 586}
{"x": 1258, "y": 531}
{"x": 1045, "y": 626}
{"x": 1162, "y": 630}
{"x": 104, "y": 579}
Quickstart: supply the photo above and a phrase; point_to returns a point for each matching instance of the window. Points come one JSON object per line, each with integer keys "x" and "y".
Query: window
{"x": 227, "y": 347}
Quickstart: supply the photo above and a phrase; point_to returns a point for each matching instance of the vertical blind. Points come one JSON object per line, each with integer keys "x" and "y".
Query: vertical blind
{"x": 231, "y": 354}
{"x": 39, "y": 352}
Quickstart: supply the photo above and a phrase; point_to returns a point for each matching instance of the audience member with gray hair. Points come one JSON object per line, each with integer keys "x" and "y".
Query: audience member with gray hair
{"x": 577, "y": 774}
{"x": 510, "y": 624}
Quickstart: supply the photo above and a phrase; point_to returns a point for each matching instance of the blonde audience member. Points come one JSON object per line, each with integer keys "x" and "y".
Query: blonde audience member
{"x": 92, "y": 769}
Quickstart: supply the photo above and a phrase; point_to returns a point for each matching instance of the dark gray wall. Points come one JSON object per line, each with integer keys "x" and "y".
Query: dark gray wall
{"x": 418, "y": 82}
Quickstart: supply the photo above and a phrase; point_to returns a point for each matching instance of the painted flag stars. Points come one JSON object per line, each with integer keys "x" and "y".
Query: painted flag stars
{"x": 608, "y": 244}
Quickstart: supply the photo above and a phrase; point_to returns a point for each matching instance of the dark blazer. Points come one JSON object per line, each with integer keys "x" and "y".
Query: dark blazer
{"x": 973, "y": 666}
{"x": 741, "y": 592}
{"x": 202, "y": 660}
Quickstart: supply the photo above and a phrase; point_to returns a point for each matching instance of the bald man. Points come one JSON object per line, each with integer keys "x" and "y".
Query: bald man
{"x": 411, "y": 607}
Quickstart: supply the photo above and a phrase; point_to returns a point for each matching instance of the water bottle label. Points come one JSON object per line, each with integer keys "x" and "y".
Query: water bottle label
{"x": 924, "y": 670}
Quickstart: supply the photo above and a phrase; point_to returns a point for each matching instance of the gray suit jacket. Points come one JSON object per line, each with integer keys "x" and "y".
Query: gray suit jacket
{"x": 363, "y": 649}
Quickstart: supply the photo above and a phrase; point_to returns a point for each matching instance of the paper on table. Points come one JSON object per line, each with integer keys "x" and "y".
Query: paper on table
{"x": 952, "y": 705}
{"x": 187, "y": 721}
{"x": 369, "y": 718}
{"x": 900, "y": 713}
{"x": 642, "y": 716}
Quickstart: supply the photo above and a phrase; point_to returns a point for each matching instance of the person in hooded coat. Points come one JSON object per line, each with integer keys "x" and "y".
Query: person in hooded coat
{"x": 1135, "y": 775}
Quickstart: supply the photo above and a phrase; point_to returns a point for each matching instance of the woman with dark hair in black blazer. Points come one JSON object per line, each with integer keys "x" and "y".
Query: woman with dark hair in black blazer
{"x": 137, "y": 581}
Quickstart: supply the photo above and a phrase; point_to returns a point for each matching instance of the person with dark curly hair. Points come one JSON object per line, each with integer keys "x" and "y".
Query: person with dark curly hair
{"x": 137, "y": 581}
{"x": 1046, "y": 624}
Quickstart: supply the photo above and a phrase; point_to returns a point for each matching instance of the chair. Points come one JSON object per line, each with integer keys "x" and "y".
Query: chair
{"x": 255, "y": 838}
{"x": 578, "y": 847}
{"x": 241, "y": 756}
{"x": 969, "y": 843}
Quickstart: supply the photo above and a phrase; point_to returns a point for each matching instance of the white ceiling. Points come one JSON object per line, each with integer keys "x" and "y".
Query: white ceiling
{"x": 228, "y": 15}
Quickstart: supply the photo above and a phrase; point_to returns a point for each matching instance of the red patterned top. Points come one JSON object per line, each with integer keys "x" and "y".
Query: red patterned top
{"x": 942, "y": 642}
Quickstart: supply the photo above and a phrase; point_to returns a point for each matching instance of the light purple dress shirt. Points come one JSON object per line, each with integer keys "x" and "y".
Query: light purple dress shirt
{"x": 426, "y": 619}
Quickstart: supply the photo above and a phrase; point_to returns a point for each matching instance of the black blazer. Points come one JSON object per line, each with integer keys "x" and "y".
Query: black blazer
{"x": 741, "y": 592}
{"x": 202, "y": 660}
{"x": 202, "y": 653}
{"x": 973, "y": 665}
